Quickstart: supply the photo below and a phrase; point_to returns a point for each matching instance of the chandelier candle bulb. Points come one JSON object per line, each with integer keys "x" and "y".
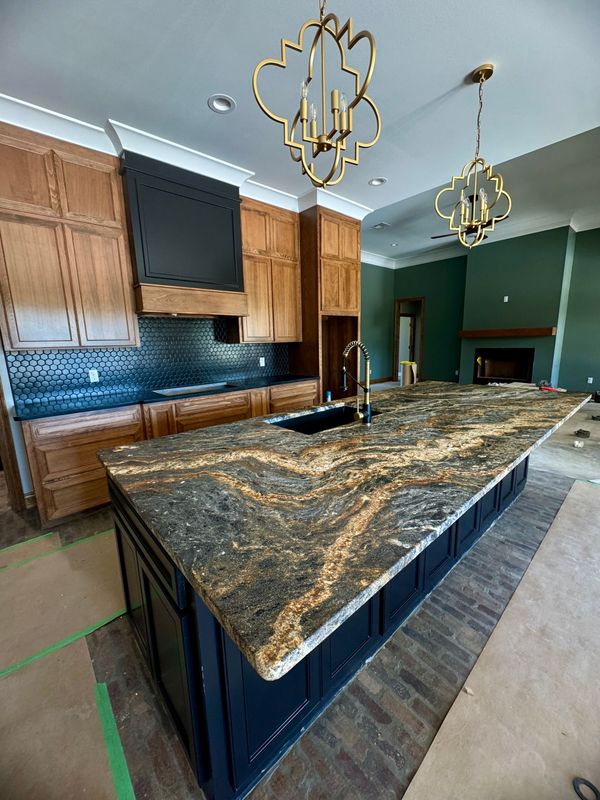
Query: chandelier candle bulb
{"x": 313, "y": 121}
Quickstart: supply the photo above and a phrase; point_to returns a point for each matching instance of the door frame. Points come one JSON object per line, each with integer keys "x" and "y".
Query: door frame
{"x": 421, "y": 318}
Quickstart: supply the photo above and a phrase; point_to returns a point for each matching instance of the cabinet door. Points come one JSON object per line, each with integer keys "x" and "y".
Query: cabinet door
{"x": 102, "y": 283}
{"x": 350, "y": 241}
{"x": 284, "y": 236}
{"x": 287, "y": 309}
{"x": 265, "y": 715}
{"x": 349, "y": 287}
{"x": 402, "y": 594}
{"x": 467, "y": 529}
{"x": 170, "y": 647}
{"x": 134, "y": 598}
{"x": 330, "y": 236}
{"x": 255, "y": 229}
{"x": 439, "y": 557}
{"x": 330, "y": 285}
{"x": 259, "y": 402}
{"x": 258, "y": 325}
{"x": 488, "y": 508}
{"x": 89, "y": 191}
{"x": 27, "y": 177}
{"x": 37, "y": 295}
{"x": 202, "y": 412}
{"x": 159, "y": 419}
{"x": 292, "y": 396}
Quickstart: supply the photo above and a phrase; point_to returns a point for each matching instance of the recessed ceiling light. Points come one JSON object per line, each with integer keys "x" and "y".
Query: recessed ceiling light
{"x": 377, "y": 181}
{"x": 221, "y": 103}
{"x": 394, "y": 244}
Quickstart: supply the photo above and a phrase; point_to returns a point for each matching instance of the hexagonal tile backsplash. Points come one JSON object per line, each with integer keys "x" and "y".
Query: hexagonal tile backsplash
{"x": 173, "y": 352}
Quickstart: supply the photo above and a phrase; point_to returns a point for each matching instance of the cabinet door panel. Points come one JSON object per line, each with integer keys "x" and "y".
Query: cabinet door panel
{"x": 402, "y": 594}
{"x": 467, "y": 529}
{"x": 330, "y": 285}
{"x": 89, "y": 191}
{"x": 159, "y": 419}
{"x": 507, "y": 490}
{"x": 349, "y": 287}
{"x": 287, "y": 310}
{"x": 330, "y": 237}
{"x": 102, "y": 282}
{"x": 27, "y": 177}
{"x": 488, "y": 508}
{"x": 133, "y": 588}
{"x": 255, "y": 230}
{"x": 284, "y": 237}
{"x": 36, "y": 285}
{"x": 521, "y": 471}
{"x": 439, "y": 557}
{"x": 259, "y": 402}
{"x": 258, "y": 325}
{"x": 350, "y": 242}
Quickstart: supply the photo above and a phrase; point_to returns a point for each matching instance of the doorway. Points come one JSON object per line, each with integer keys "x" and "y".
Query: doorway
{"x": 408, "y": 333}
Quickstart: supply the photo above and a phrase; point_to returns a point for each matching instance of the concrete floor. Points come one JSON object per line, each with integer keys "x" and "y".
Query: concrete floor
{"x": 368, "y": 744}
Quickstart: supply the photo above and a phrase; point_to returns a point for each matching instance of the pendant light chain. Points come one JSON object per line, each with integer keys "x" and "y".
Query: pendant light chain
{"x": 322, "y": 4}
{"x": 481, "y": 82}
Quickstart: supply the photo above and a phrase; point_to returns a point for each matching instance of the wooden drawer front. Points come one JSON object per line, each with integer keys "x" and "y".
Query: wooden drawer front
{"x": 87, "y": 426}
{"x": 72, "y": 494}
{"x": 27, "y": 177}
{"x": 89, "y": 191}
{"x": 204, "y": 411}
{"x": 292, "y": 396}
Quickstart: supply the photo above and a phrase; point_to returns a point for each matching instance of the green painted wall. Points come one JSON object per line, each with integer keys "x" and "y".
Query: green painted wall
{"x": 377, "y": 318}
{"x": 581, "y": 345}
{"x": 442, "y": 284}
{"x": 530, "y": 270}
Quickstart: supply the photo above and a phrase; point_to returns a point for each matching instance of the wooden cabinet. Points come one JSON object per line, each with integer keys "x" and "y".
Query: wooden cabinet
{"x": 201, "y": 412}
{"x": 66, "y": 473}
{"x": 339, "y": 236}
{"x": 271, "y": 246}
{"x": 159, "y": 419}
{"x": 258, "y": 325}
{"x": 292, "y": 396}
{"x": 340, "y": 264}
{"x": 65, "y": 269}
{"x": 35, "y": 281}
{"x": 259, "y": 402}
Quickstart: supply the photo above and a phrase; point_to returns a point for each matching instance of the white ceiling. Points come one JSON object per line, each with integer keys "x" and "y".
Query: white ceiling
{"x": 152, "y": 64}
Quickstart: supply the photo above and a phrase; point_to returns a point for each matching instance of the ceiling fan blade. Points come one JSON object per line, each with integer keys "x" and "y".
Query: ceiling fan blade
{"x": 442, "y": 236}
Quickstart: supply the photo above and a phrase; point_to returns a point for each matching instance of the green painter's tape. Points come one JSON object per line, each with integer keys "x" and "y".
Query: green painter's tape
{"x": 27, "y": 541}
{"x": 58, "y": 549}
{"x": 114, "y": 748}
{"x": 52, "y": 648}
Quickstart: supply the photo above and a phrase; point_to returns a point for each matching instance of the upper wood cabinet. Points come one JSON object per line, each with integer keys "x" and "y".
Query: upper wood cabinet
{"x": 89, "y": 191}
{"x": 271, "y": 246}
{"x": 35, "y": 280}
{"x": 340, "y": 237}
{"x": 65, "y": 268}
{"x": 103, "y": 297}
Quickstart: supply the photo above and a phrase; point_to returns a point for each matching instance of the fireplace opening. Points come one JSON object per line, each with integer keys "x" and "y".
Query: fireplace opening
{"x": 503, "y": 364}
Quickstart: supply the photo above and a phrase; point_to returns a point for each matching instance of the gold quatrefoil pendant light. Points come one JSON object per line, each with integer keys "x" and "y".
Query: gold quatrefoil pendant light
{"x": 481, "y": 199}
{"x": 317, "y": 133}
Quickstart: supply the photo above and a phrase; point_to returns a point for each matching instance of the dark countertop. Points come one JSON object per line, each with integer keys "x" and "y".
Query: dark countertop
{"x": 284, "y": 535}
{"x": 77, "y": 401}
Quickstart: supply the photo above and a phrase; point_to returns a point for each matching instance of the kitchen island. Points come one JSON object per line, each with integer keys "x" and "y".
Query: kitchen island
{"x": 263, "y": 566}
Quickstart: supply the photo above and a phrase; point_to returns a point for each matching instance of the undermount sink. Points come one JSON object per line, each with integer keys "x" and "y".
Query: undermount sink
{"x": 318, "y": 421}
{"x": 203, "y": 387}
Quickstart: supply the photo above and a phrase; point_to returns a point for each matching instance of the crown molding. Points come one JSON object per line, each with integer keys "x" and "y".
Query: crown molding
{"x": 585, "y": 221}
{"x": 376, "y": 260}
{"x": 334, "y": 202}
{"x": 427, "y": 256}
{"x": 124, "y": 137}
{"x": 266, "y": 194}
{"x": 50, "y": 123}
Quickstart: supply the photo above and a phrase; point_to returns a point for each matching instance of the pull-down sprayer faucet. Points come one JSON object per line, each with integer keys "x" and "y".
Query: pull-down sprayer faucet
{"x": 365, "y": 414}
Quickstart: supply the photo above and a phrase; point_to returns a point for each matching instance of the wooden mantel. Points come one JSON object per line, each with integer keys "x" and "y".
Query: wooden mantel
{"x": 504, "y": 333}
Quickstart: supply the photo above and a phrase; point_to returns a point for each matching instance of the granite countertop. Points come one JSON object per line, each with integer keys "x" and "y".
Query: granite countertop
{"x": 54, "y": 404}
{"x": 284, "y": 535}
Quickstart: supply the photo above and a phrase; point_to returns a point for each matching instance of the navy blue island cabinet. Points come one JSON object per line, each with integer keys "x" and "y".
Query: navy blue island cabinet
{"x": 233, "y": 724}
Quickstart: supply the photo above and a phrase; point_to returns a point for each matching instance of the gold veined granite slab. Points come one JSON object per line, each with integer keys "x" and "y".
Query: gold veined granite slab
{"x": 284, "y": 535}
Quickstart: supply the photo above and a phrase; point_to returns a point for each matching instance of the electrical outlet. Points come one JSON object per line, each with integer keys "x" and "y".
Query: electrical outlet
{"x": 261, "y": 361}
{"x": 94, "y": 377}
{"x": 456, "y": 372}
{"x": 590, "y": 380}
{"x": 506, "y": 298}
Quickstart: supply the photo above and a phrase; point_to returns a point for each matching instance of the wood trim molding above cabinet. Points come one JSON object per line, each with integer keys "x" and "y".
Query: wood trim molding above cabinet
{"x": 504, "y": 333}
{"x": 155, "y": 299}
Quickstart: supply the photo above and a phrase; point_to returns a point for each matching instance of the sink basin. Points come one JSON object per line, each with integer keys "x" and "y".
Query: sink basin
{"x": 203, "y": 387}
{"x": 317, "y": 421}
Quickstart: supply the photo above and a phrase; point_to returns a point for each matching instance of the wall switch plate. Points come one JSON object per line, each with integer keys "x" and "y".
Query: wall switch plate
{"x": 590, "y": 380}
{"x": 94, "y": 377}
{"x": 506, "y": 298}
{"x": 261, "y": 361}
{"x": 456, "y": 372}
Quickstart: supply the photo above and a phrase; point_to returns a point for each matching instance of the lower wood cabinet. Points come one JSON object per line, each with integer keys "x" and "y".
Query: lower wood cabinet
{"x": 292, "y": 396}
{"x": 201, "y": 412}
{"x": 66, "y": 473}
